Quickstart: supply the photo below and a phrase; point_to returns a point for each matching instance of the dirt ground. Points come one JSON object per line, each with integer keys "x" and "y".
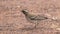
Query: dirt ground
{"x": 13, "y": 21}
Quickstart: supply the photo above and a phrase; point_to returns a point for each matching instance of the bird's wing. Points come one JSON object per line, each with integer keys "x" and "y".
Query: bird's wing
{"x": 38, "y": 17}
{"x": 41, "y": 18}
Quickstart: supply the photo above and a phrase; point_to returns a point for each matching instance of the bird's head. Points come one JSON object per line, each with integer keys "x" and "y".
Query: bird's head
{"x": 25, "y": 12}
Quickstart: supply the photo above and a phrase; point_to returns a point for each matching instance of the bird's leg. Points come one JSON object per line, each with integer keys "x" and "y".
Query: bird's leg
{"x": 36, "y": 24}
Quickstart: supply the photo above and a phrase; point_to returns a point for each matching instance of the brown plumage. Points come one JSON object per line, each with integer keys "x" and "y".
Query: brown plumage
{"x": 33, "y": 18}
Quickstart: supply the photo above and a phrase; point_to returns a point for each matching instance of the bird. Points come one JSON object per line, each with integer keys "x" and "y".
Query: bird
{"x": 33, "y": 18}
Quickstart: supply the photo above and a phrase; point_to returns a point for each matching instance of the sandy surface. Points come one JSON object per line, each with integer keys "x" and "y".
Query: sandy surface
{"x": 13, "y": 21}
